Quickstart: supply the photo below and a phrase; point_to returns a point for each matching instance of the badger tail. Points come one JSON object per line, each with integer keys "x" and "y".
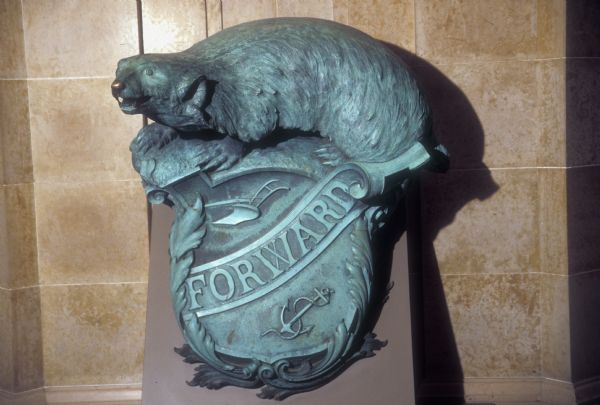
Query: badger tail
{"x": 384, "y": 176}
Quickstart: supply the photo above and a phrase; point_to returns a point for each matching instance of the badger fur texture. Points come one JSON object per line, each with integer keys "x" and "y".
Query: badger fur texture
{"x": 258, "y": 79}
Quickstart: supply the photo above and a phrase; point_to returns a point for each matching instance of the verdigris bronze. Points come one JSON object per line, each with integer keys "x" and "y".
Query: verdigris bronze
{"x": 281, "y": 145}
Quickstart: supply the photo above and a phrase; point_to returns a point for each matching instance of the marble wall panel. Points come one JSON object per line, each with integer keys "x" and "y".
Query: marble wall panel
{"x": 553, "y": 221}
{"x": 28, "y": 366}
{"x": 93, "y": 334}
{"x": 15, "y": 137}
{"x": 584, "y": 302}
{"x": 78, "y": 132}
{"x": 497, "y": 113}
{"x": 463, "y": 30}
{"x": 583, "y": 30}
{"x": 306, "y": 8}
{"x": 6, "y": 341}
{"x": 583, "y": 104}
{"x": 477, "y": 221}
{"x": 555, "y": 346}
{"x": 172, "y": 26}
{"x": 583, "y": 216}
{"x": 340, "y": 11}
{"x": 5, "y": 270}
{"x": 496, "y": 322}
{"x": 20, "y": 252}
{"x": 92, "y": 232}
{"x": 235, "y": 12}
{"x": 214, "y": 16}
{"x": 12, "y": 63}
{"x": 391, "y": 21}
{"x": 75, "y": 38}
{"x": 551, "y": 114}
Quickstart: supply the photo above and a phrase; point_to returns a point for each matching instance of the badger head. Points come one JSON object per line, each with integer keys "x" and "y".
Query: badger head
{"x": 167, "y": 88}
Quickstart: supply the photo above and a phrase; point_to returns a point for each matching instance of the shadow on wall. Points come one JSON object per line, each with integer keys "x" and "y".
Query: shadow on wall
{"x": 583, "y": 194}
{"x": 438, "y": 371}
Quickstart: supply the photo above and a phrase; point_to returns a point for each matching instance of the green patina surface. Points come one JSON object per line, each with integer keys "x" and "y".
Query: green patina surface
{"x": 282, "y": 145}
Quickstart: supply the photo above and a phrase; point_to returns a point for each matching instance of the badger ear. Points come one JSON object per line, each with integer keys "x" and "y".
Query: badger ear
{"x": 192, "y": 89}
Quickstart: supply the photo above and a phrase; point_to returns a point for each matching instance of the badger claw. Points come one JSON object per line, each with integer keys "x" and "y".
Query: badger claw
{"x": 218, "y": 155}
{"x": 152, "y": 136}
{"x": 329, "y": 155}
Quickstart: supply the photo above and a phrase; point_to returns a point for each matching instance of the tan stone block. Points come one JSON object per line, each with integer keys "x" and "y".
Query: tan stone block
{"x": 93, "y": 334}
{"x": 307, "y": 8}
{"x": 496, "y": 323}
{"x": 5, "y": 270}
{"x": 340, "y": 11}
{"x": 464, "y": 30}
{"x": 476, "y": 221}
{"x": 391, "y": 21}
{"x": 556, "y": 348}
{"x": 583, "y": 104}
{"x": 74, "y": 38}
{"x": 583, "y": 218}
{"x": 214, "y": 16}
{"x": 6, "y": 341}
{"x": 238, "y": 11}
{"x": 551, "y": 113}
{"x": 92, "y": 232}
{"x": 503, "y": 95}
{"x": 583, "y": 30}
{"x": 503, "y": 391}
{"x": 15, "y": 138}
{"x": 556, "y": 392}
{"x": 28, "y": 361}
{"x": 2, "y": 182}
{"x": 12, "y": 63}
{"x": 585, "y": 334}
{"x": 551, "y": 27}
{"x": 78, "y": 133}
{"x": 553, "y": 221}
{"x": 18, "y": 239}
{"x": 172, "y": 25}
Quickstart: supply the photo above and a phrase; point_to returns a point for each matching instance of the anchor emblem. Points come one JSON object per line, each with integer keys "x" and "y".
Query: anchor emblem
{"x": 292, "y": 328}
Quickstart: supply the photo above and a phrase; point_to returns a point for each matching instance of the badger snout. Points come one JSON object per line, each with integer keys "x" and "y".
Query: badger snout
{"x": 116, "y": 87}
{"x": 130, "y": 101}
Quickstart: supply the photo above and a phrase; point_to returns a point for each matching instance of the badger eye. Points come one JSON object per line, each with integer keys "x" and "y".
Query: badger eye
{"x": 148, "y": 71}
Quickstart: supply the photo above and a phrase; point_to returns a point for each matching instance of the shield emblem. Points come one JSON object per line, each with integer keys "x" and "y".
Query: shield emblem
{"x": 271, "y": 265}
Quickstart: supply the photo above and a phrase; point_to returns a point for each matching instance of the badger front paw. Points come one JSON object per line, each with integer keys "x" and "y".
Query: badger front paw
{"x": 152, "y": 136}
{"x": 330, "y": 155}
{"x": 219, "y": 155}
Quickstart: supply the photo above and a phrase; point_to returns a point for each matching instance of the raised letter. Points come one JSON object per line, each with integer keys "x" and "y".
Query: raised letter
{"x": 213, "y": 286}
{"x": 245, "y": 275}
{"x": 194, "y": 291}
{"x": 271, "y": 247}
{"x": 347, "y": 202}
{"x": 303, "y": 235}
{"x": 323, "y": 214}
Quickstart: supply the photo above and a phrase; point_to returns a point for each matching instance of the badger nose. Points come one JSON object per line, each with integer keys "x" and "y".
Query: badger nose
{"x": 116, "y": 87}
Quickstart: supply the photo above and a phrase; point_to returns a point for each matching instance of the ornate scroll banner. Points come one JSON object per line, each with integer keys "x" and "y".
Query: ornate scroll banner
{"x": 282, "y": 145}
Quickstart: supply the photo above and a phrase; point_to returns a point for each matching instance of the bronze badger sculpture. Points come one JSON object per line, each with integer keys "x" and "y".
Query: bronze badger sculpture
{"x": 304, "y": 74}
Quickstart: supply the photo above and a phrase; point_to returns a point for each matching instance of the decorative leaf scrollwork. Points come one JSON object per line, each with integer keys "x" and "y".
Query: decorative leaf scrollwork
{"x": 360, "y": 267}
{"x": 187, "y": 232}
